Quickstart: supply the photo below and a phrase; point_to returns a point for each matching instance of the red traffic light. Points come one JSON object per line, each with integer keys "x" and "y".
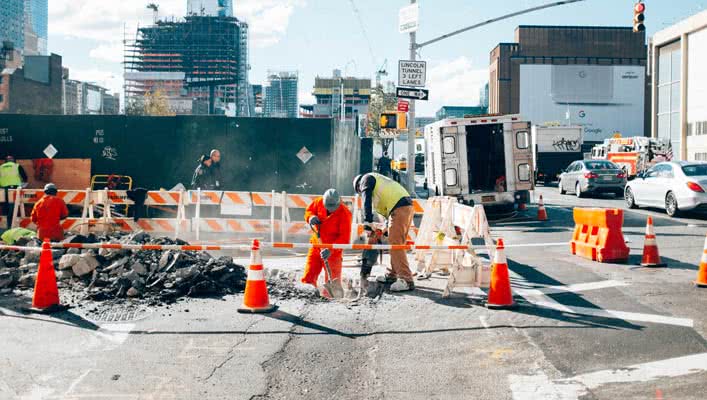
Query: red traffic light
{"x": 640, "y": 7}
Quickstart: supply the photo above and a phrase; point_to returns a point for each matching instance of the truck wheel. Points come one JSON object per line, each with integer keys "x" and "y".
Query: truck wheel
{"x": 560, "y": 188}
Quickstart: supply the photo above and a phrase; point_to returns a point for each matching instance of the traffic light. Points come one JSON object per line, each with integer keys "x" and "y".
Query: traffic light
{"x": 638, "y": 17}
{"x": 393, "y": 120}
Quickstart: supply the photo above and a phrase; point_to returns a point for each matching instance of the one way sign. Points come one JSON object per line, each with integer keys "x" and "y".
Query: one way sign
{"x": 415, "y": 94}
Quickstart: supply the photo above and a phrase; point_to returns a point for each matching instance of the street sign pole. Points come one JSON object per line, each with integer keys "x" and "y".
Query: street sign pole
{"x": 411, "y": 123}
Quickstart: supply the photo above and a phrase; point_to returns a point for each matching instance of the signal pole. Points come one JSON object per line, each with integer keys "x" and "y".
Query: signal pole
{"x": 411, "y": 123}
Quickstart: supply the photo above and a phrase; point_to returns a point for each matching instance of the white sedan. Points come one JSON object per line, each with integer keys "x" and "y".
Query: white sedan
{"x": 673, "y": 186}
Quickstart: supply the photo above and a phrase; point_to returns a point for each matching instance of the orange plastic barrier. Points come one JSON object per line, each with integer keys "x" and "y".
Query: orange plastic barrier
{"x": 598, "y": 236}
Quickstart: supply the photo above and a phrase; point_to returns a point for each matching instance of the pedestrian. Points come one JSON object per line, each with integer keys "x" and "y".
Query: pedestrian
{"x": 215, "y": 156}
{"x": 203, "y": 176}
{"x": 389, "y": 199}
{"x": 48, "y": 213}
{"x": 384, "y": 164}
{"x": 12, "y": 176}
{"x": 332, "y": 219}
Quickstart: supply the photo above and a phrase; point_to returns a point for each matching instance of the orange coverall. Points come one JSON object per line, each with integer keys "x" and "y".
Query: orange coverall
{"x": 46, "y": 214}
{"x": 335, "y": 229}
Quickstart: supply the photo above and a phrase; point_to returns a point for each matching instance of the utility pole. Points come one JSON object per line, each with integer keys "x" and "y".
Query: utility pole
{"x": 411, "y": 122}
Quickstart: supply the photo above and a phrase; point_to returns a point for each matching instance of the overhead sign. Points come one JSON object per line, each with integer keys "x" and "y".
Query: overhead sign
{"x": 411, "y": 93}
{"x": 403, "y": 106}
{"x": 412, "y": 73}
{"x": 409, "y": 17}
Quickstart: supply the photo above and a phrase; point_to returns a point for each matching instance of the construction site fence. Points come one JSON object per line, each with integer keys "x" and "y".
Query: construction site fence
{"x": 235, "y": 213}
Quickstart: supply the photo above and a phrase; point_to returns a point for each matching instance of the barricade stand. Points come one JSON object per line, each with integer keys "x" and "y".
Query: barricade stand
{"x": 598, "y": 236}
{"x": 435, "y": 229}
{"x": 355, "y": 220}
{"x": 197, "y": 214}
{"x": 19, "y": 209}
{"x": 181, "y": 214}
{"x": 468, "y": 270}
{"x": 87, "y": 213}
{"x": 285, "y": 217}
{"x": 272, "y": 217}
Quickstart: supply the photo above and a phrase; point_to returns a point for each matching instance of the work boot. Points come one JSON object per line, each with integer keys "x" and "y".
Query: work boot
{"x": 386, "y": 279}
{"x": 402, "y": 285}
{"x": 363, "y": 291}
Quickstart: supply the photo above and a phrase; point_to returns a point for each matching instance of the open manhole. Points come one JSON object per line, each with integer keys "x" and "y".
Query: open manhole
{"x": 120, "y": 315}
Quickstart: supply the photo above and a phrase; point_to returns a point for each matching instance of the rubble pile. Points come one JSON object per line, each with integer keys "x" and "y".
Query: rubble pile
{"x": 161, "y": 276}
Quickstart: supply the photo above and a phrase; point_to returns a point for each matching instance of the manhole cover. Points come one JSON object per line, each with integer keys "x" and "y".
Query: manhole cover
{"x": 119, "y": 315}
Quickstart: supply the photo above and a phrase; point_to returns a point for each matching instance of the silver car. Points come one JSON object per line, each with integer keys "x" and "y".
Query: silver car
{"x": 673, "y": 186}
{"x": 592, "y": 176}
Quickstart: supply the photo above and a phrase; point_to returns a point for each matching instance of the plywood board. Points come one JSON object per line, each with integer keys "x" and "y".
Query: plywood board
{"x": 67, "y": 174}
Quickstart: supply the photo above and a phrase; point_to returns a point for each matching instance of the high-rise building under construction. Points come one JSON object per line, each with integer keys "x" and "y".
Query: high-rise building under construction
{"x": 202, "y": 59}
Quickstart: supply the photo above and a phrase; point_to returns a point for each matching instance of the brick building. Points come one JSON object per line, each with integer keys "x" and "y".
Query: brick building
{"x": 34, "y": 89}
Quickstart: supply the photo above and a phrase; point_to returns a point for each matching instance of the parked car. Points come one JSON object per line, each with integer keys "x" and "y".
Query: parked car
{"x": 673, "y": 186}
{"x": 592, "y": 176}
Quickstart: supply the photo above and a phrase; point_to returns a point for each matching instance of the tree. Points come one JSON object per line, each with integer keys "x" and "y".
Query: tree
{"x": 135, "y": 106}
{"x": 156, "y": 104}
{"x": 380, "y": 102}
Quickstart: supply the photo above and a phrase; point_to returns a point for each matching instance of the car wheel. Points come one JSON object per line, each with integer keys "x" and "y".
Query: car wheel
{"x": 578, "y": 190}
{"x": 559, "y": 187}
{"x": 630, "y": 200}
{"x": 671, "y": 205}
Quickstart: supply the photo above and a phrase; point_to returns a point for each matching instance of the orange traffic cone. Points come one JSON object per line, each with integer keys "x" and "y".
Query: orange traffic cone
{"x": 256, "y": 298}
{"x": 651, "y": 258}
{"x": 500, "y": 294}
{"x": 46, "y": 293}
{"x": 702, "y": 273}
{"x": 542, "y": 214}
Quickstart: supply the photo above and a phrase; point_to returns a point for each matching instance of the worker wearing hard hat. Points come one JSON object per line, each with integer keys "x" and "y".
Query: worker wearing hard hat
{"x": 389, "y": 199}
{"x": 332, "y": 219}
{"x": 48, "y": 213}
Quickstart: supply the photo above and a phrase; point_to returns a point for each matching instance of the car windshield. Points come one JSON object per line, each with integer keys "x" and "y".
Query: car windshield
{"x": 600, "y": 165}
{"x": 695, "y": 170}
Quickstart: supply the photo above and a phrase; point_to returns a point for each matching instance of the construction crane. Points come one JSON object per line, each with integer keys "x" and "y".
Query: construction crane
{"x": 155, "y": 11}
{"x": 382, "y": 71}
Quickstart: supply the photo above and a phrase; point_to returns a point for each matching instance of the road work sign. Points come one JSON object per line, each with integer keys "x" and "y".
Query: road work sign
{"x": 410, "y": 93}
{"x": 412, "y": 73}
{"x": 408, "y": 18}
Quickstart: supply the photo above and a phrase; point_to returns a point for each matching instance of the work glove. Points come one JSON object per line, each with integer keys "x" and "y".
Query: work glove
{"x": 325, "y": 253}
{"x": 314, "y": 221}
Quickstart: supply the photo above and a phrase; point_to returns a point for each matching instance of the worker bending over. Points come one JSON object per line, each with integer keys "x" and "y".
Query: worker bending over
{"x": 389, "y": 199}
{"x": 47, "y": 214}
{"x": 332, "y": 220}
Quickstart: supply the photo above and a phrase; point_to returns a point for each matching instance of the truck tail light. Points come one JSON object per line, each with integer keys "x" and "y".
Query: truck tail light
{"x": 695, "y": 187}
{"x": 591, "y": 175}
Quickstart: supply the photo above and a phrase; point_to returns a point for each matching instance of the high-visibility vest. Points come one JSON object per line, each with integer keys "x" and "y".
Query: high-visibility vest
{"x": 10, "y": 174}
{"x": 386, "y": 194}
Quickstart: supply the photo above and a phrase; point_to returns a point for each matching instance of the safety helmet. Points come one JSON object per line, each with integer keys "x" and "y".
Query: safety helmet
{"x": 356, "y": 181}
{"x": 50, "y": 188}
{"x": 332, "y": 200}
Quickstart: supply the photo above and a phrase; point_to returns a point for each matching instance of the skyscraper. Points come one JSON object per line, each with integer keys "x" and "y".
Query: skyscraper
{"x": 12, "y": 25}
{"x": 36, "y": 27}
{"x": 281, "y": 95}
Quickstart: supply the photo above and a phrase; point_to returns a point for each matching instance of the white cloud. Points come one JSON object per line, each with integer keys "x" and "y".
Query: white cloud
{"x": 113, "y": 82}
{"x": 106, "y": 21}
{"x": 452, "y": 83}
{"x": 306, "y": 97}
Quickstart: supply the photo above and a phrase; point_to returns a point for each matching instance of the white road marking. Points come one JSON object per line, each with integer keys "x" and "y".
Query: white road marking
{"x": 628, "y": 316}
{"x": 484, "y": 321}
{"x": 573, "y": 288}
{"x": 116, "y": 333}
{"x": 539, "y": 386}
{"x": 76, "y": 382}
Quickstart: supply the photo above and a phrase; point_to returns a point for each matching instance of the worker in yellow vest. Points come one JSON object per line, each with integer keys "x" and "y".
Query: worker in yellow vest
{"x": 12, "y": 175}
{"x": 389, "y": 199}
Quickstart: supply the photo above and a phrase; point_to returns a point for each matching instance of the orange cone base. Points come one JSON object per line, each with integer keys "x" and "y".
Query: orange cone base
{"x": 56, "y": 308}
{"x": 257, "y": 310}
{"x": 510, "y": 306}
{"x": 701, "y": 284}
{"x": 652, "y": 265}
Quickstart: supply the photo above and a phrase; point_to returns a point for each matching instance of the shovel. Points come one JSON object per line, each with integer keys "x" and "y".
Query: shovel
{"x": 333, "y": 286}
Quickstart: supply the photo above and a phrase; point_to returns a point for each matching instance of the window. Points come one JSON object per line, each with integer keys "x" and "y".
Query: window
{"x": 652, "y": 173}
{"x": 450, "y": 177}
{"x": 665, "y": 170}
{"x": 522, "y": 139}
{"x": 523, "y": 172}
{"x": 0, "y": 98}
{"x": 696, "y": 169}
{"x": 449, "y": 145}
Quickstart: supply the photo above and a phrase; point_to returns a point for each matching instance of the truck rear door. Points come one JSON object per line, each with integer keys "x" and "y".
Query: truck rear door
{"x": 522, "y": 158}
{"x": 451, "y": 172}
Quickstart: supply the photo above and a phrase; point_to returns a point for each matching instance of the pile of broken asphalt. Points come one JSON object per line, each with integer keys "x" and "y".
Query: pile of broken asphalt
{"x": 154, "y": 277}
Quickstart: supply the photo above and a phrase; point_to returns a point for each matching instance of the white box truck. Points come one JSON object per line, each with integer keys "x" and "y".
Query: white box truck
{"x": 554, "y": 148}
{"x": 485, "y": 160}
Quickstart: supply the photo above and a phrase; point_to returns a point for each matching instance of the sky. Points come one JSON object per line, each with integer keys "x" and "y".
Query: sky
{"x": 358, "y": 37}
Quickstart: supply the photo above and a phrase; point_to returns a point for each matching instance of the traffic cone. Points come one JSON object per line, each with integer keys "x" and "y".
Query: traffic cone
{"x": 702, "y": 273}
{"x": 46, "y": 294}
{"x": 255, "y": 299}
{"x": 651, "y": 258}
{"x": 500, "y": 294}
{"x": 542, "y": 214}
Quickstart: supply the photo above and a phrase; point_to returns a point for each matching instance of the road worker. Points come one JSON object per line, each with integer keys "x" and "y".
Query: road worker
{"x": 12, "y": 175}
{"x": 203, "y": 177}
{"x": 47, "y": 214}
{"x": 332, "y": 219}
{"x": 389, "y": 199}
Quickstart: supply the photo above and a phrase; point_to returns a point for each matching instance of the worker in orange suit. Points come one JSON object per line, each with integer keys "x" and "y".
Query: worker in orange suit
{"x": 332, "y": 220}
{"x": 47, "y": 214}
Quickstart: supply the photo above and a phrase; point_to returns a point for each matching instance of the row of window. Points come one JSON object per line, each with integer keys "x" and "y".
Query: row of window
{"x": 697, "y": 128}
{"x": 450, "y": 175}
{"x": 700, "y": 156}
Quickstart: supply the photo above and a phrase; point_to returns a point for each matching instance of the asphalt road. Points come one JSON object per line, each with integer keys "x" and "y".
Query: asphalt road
{"x": 582, "y": 330}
